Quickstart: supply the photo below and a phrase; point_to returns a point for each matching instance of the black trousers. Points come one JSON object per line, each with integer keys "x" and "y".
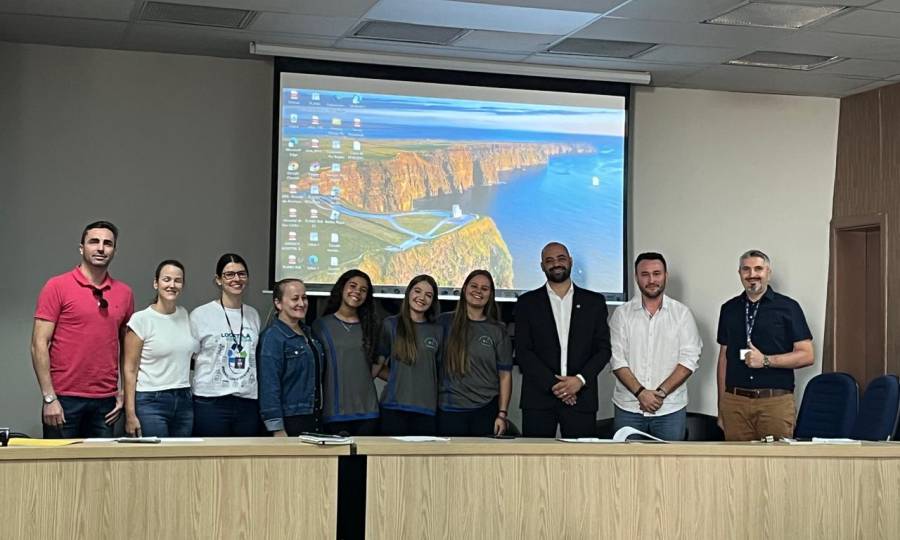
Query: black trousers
{"x": 396, "y": 423}
{"x": 475, "y": 423}
{"x": 572, "y": 423}
{"x": 353, "y": 427}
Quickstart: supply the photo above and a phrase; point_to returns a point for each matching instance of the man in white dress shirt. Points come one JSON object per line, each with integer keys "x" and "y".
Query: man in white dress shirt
{"x": 655, "y": 348}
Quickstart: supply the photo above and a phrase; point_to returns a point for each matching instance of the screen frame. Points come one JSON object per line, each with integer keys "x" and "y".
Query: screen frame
{"x": 454, "y": 78}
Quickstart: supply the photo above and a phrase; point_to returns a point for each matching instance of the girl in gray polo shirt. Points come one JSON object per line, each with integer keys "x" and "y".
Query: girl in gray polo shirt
{"x": 348, "y": 331}
{"x": 409, "y": 351}
{"x": 476, "y": 377}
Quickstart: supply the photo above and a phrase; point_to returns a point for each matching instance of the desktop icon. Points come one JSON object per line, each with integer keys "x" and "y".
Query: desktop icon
{"x": 292, "y": 259}
{"x": 313, "y": 260}
{"x": 335, "y": 144}
{"x": 357, "y": 123}
{"x": 336, "y": 122}
{"x": 335, "y": 215}
{"x": 294, "y": 95}
{"x": 357, "y": 99}
{"x": 335, "y": 191}
{"x": 357, "y": 146}
{"x": 292, "y": 212}
{"x": 314, "y": 189}
{"x": 335, "y": 238}
{"x": 314, "y": 143}
{"x": 313, "y": 213}
{"x": 314, "y": 167}
{"x": 314, "y": 96}
{"x": 314, "y": 121}
{"x": 313, "y": 236}
{"x": 292, "y": 236}
{"x": 293, "y": 166}
{"x": 334, "y": 261}
{"x": 335, "y": 167}
{"x": 294, "y": 118}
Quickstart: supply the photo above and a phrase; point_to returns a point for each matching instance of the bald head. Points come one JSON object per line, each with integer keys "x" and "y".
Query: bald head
{"x": 556, "y": 262}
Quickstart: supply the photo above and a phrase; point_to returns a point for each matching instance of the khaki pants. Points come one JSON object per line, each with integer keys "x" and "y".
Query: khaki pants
{"x": 748, "y": 419}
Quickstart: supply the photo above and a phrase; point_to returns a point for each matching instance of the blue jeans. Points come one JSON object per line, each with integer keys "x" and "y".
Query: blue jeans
{"x": 668, "y": 427}
{"x": 165, "y": 413}
{"x": 85, "y": 417}
{"x": 226, "y": 416}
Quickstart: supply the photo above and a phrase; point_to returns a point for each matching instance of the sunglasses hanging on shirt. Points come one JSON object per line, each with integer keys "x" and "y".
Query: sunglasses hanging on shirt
{"x": 101, "y": 302}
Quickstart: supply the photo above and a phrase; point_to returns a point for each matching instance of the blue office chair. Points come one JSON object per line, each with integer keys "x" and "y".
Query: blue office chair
{"x": 829, "y": 407}
{"x": 877, "y": 418}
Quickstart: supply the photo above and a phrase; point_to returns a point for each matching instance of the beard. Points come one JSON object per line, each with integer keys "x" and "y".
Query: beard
{"x": 655, "y": 293}
{"x": 557, "y": 274}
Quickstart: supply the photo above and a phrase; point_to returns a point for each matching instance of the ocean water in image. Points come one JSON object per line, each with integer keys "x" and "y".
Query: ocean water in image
{"x": 575, "y": 199}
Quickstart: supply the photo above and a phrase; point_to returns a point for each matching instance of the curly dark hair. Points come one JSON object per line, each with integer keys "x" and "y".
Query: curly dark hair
{"x": 365, "y": 312}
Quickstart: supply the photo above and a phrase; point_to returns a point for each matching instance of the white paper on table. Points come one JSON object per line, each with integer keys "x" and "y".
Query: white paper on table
{"x": 592, "y": 440}
{"x": 421, "y": 438}
{"x": 835, "y": 440}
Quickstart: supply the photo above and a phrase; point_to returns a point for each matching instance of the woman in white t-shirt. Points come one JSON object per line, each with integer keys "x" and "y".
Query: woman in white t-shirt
{"x": 225, "y": 383}
{"x": 158, "y": 350}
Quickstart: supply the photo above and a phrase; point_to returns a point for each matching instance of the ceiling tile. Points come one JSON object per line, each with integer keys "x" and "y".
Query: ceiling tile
{"x": 481, "y": 16}
{"x": 777, "y": 81}
{"x": 864, "y": 22}
{"x": 303, "y": 24}
{"x": 834, "y": 44}
{"x": 886, "y": 5}
{"x": 660, "y": 73}
{"x": 208, "y": 41}
{"x": 414, "y": 49}
{"x": 505, "y": 41}
{"x": 322, "y": 8}
{"x": 118, "y": 10}
{"x": 849, "y": 3}
{"x": 692, "y": 55}
{"x": 594, "y": 6}
{"x": 676, "y": 33}
{"x": 666, "y": 10}
{"x": 63, "y": 31}
{"x": 863, "y": 68}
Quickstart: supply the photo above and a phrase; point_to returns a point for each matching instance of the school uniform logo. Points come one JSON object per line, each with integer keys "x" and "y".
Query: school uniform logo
{"x": 486, "y": 341}
{"x": 431, "y": 343}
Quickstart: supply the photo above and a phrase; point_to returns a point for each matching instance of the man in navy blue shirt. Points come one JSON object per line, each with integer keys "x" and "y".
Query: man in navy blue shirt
{"x": 763, "y": 338}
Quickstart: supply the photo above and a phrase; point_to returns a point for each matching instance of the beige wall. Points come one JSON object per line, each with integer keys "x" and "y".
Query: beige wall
{"x": 717, "y": 173}
{"x": 176, "y": 151}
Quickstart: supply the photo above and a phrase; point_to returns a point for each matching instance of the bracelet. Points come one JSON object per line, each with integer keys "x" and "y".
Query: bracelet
{"x": 503, "y": 411}
{"x": 638, "y": 391}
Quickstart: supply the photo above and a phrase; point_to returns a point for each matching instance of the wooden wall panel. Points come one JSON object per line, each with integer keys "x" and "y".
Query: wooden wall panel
{"x": 867, "y": 182}
{"x": 890, "y": 171}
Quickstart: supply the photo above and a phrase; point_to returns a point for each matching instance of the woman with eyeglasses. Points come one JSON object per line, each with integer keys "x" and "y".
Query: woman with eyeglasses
{"x": 225, "y": 385}
{"x": 348, "y": 330}
{"x": 290, "y": 365}
{"x": 157, "y": 367}
{"x": 409, "y": 353}
{"x": 476, "y": 383}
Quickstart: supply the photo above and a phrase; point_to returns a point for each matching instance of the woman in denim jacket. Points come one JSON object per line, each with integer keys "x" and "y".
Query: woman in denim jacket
{"x": 289, "y": 363}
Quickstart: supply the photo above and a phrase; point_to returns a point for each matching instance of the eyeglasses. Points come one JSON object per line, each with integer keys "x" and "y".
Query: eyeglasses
{"x": 232, "y": 275}
{"x": 102, "y": 302}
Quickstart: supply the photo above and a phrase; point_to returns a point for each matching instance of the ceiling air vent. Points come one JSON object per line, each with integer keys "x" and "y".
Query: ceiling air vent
{"x": 771, "y": 59}
{"x": 409, "y": 33}
{"x": 196, "y": 15}
{"x": 601, "y": 47}
{"x": 790, "y": 16}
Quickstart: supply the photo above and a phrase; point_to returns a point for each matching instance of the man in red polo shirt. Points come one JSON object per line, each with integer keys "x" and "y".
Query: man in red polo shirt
{"x": 78, "y": 327}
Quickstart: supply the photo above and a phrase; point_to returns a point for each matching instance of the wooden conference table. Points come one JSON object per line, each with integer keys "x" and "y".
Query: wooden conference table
{"x": 542, "y": 489}
{"x": 219, "y": 488}
{"x": 465, "y": 488}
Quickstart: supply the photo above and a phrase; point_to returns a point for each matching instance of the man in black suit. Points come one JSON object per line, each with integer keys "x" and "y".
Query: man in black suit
{"x": 562, "y": 344}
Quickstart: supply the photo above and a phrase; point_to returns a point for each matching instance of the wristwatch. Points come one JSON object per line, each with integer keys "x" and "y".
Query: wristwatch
{"x": 49, "y": 398}
{"x": 766, "y": 361}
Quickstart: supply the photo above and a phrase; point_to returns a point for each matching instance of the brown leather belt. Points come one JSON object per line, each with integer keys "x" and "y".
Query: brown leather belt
{"x": 757, "y": 393}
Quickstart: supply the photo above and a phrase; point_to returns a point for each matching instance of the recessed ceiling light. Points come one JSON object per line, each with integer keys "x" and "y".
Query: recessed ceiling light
{"x": 600, "y": 47}
{"x": 782, "y": 60}
{"x": 790, "y": 16}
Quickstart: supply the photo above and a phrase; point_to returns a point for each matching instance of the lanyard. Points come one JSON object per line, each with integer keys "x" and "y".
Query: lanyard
{"x": 237, "y": 340}
{"x": 749, "y": 320}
